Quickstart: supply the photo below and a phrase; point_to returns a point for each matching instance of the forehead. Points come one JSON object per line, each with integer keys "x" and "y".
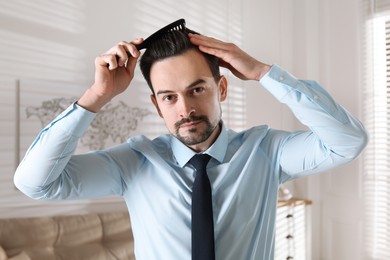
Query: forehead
{"x": 179, "y": 70}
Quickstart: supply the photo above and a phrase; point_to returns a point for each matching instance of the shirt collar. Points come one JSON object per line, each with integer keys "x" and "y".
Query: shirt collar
{"x": 217, "y": 150}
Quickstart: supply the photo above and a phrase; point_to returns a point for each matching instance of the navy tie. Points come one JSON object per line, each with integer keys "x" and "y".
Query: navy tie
{"x": 202, "y": 211}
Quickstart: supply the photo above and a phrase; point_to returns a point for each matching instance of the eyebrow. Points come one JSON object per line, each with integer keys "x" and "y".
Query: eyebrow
{"x": 196, "y": 82}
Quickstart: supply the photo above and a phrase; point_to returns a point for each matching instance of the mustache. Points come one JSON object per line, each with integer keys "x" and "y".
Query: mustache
{"x": 191, "y": 119}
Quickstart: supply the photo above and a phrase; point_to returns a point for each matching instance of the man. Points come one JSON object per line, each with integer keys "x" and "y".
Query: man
{"x": 156, "y": 177}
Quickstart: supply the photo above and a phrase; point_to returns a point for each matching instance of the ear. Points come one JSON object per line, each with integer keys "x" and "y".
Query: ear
{"x": 223, "y": 88}
{"x": 154, "y": 101}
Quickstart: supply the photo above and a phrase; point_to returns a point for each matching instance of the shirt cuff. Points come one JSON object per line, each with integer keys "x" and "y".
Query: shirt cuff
{"x": 285, "y": 82}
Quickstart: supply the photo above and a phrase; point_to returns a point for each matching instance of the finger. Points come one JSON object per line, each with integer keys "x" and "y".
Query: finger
{"x": 131, "y": 47}
{"x": 214, "y": 47}
{"x": 211, "y": 51}
{"x": 201, "y": 40}
{"x": 123, "y": 51}
{"x": 106, "y": 60}
{"x": 137, "y": 41}
{"x": 219, "y": 53}
{"x": 132, "y": 61}
{"x": 130, "y": 66}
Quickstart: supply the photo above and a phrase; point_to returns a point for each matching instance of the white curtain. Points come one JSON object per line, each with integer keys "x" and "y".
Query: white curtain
{"x": 376, "y": 50}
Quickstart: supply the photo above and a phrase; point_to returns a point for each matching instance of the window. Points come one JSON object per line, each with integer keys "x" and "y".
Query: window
{"x": 377, "y": 121}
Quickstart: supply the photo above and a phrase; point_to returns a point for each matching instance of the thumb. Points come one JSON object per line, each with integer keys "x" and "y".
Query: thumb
{"x": 232, "y": 70}
{"x": 130, "y": 66}
{"x": 133, "y": 57}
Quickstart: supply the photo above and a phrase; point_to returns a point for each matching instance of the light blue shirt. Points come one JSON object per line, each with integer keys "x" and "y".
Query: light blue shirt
{"x": 155, "y": 180}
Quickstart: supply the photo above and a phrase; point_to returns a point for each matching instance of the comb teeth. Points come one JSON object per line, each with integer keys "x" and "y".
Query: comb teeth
{"x": 179, "y": 25}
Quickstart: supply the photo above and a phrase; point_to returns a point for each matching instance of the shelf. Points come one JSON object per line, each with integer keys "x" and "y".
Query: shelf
{"x": 294, "y": 202}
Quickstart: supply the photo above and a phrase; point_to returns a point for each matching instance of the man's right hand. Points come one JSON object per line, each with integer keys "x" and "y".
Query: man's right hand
{"x": 114, "y": 71}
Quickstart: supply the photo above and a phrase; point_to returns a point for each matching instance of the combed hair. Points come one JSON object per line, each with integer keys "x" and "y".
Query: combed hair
{"x": 173, "y": 43}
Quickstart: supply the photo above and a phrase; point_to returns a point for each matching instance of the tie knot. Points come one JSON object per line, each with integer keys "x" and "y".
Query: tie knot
{"x": 199, "y": 161}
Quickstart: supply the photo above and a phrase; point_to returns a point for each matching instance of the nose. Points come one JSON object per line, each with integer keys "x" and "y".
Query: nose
{"x": 186, "y": 108}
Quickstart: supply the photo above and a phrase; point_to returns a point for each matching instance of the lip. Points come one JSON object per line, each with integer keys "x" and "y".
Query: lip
{"x": 190, "y": 125}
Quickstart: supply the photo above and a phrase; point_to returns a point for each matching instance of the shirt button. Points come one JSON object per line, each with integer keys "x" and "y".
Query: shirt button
{"x": 315, "y": 97}
{"x": 281, "y": 78}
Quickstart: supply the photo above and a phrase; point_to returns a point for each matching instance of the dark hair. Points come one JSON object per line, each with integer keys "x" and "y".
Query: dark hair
{"x": 173, "y": 43}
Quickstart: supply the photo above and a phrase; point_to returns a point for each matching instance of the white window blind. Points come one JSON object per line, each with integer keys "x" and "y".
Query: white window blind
{"x": 377, "y": 120}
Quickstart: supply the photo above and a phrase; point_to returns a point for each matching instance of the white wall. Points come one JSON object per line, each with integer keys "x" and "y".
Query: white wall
{"x": 313, "y": 39}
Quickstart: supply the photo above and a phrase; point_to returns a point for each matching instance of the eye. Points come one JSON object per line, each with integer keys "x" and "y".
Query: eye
{"x": 198, "y": 90}
{"x": 168, "y": 98}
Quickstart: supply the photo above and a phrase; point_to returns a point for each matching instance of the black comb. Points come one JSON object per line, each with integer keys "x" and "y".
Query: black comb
{"x": 179, "y": 25}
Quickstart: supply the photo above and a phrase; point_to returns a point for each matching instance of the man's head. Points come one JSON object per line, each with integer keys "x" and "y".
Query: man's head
{"x": 172, "y": 44}
{"x": 187, "y": 89}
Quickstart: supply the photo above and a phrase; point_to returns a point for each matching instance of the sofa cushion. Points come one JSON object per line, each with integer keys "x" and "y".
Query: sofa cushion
{"x": 116, "y": 226}
{"x": 117, "y": 235}
{"x": 21, "y": 256}
{"x": 40, "y": 252}
{"x": 77, "y": 230}
{"x": 121, "y": 249}
{"x": 23, "y": 232}
{"x": 103, "y": 236}
{"x": 85, "y": 252}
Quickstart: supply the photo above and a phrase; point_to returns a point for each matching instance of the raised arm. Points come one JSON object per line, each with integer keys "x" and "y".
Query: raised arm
{"x": 49, "y": 169}
{"x": 335, "y": 137}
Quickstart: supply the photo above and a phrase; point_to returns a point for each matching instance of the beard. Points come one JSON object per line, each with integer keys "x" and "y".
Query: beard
{"x": 195, "y": 135}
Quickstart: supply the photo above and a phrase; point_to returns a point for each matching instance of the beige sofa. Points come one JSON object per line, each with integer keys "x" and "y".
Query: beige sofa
{"x": 80, "y": 237}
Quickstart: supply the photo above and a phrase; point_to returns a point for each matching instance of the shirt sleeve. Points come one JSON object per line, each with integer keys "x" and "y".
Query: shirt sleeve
{"x": 49, "y": 170}
{"x": 335, "y": 136}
